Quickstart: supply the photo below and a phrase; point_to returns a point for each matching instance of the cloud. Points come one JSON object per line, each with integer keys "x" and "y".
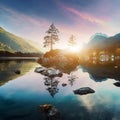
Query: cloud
{"x": 80, "y": 18}
{"x": 81, "y": 14}
{"x": 84, "y": 16}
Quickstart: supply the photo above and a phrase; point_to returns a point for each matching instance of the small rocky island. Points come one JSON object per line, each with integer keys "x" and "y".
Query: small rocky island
{"x": 59, "y": 59}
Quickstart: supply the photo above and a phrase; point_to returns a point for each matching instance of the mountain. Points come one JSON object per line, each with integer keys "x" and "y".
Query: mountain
{"x": 101, "y": 41}
{"x": 4, "y": 47}
{"x": 12, "y": 43}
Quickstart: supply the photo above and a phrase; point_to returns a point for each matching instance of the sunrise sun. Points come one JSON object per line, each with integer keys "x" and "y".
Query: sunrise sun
{"x": 75, "y": 48}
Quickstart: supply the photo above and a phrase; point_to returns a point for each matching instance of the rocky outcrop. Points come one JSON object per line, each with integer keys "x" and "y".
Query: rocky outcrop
{"x": 117, "y": 84}
{"x": 17, "y": 71}
{"x": 51, "y": 113}
{"x": 39, "y": 69}
{"x": 64, "y": 84}
{"x": 50, "y": 72}
{"x": 83, "y": 91}
{"x": 64, "y": 61}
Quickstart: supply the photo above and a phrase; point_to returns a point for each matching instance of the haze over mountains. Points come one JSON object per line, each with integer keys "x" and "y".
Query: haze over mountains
{"x": 12, "y": 43}
{"x": 102, "y": 41}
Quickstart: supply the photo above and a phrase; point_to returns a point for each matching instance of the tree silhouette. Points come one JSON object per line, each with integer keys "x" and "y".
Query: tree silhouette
{"x": 51, "y": 37}
{"x": 72, "y": 40}
{"x": 72, "y": 79}
{"x": 52, "y": 84}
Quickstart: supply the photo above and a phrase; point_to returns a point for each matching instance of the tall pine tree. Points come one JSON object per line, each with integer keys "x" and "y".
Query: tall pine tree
{"x": 51, "y": 37}
{"x": 72, "y": 41}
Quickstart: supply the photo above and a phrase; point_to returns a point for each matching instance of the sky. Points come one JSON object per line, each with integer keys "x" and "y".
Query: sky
{"x": 30, "y": 19}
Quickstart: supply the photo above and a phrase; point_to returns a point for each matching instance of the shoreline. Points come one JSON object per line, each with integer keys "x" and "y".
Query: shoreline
{"x": 19, "y": 58}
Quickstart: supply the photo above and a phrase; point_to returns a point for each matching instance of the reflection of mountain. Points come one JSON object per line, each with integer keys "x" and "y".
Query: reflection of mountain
{"x": 7, "y": 69}
{"x": 101, "y": 41}
{"x": 12, "y": 43}
{"x": 102, "y": 73}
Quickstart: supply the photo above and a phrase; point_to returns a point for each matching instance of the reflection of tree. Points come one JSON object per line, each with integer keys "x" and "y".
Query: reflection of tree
{"x": 52, "y": 84}
{"x": 71, "y": 79}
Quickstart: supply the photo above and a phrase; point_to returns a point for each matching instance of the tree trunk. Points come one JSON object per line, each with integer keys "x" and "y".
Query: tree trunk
{"x": 51, "y": 44}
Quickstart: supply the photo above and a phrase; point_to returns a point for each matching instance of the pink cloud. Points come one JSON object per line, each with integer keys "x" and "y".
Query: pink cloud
{"x": 85, "y": 16}
{"x": 32, "y": 27}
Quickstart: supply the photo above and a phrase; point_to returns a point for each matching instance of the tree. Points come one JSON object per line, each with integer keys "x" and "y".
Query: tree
{"x": 52, "y": 84}
{"x": 72, "y": 40}
{"x": 51, "y": 37}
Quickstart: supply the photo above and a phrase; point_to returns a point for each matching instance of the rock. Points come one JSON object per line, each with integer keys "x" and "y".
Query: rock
{"x": 50, "y": 112}
{"x": 47, "y": 83}
{"x": 116, "y": 66}
{"x": 117, "y": 84}
{"x": 51, "y": 72}
{"x": 17, "y": 71}
{"x": 45, "y": 107}
{"x": 54, "y": 73}
{"x": 83, "y": 91}
{"x": 40, "y": 69}
{"x": 64, "y": 84}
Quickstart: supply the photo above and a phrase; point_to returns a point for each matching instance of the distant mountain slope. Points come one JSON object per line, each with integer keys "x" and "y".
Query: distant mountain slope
{"x": 10, "y": 42}
{"x": 101, "y": 41}
{"x": 4, "y": 47}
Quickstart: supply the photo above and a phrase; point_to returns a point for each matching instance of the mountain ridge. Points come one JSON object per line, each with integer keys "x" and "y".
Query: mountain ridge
{"x": 102, "y": 41}
{"x": 15, "y": 43}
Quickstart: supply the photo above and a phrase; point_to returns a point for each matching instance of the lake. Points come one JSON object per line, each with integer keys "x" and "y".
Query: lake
{"x": 21, "y": 94}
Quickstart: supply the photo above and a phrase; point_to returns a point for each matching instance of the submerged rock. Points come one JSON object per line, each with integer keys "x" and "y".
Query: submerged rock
{"x": 83, "y": 91}
{"x": 51, "y": 113}
{"x": 17, "y": 71}
{"x": 64, "y": 84}
{"x": 40, "y": 69}
{"x": 117, "y": 84}
{"x": 51, "y": 72}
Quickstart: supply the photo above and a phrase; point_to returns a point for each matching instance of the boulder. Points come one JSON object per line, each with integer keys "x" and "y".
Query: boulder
{"x": 17, "y": 71}
{"x": 50, "y": 72}
{"x": 50, "y": 112}
{"x": 40, "y": 69}
{"x": 83, "y": 91}
{"x": 64, "y": 84}
{"x": 117, "y": 84}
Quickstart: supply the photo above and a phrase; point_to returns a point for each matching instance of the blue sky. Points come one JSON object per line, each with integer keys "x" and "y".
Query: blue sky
{"x": 83, "y": 18}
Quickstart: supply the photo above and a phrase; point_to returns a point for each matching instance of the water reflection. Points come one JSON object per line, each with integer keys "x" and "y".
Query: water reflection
{"x": 52, "y": 85}
{"x": 100, "y": 73}
{"x": 8, "y": 69}
{"x": 72, "y": 78}
{"x": 20, "y": 98}
{"x": 51, "y": 82}
{"x": 101, "y": 57}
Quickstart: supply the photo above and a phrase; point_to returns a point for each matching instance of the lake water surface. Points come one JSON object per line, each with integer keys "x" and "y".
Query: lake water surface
{"x": 21, "y": 94}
